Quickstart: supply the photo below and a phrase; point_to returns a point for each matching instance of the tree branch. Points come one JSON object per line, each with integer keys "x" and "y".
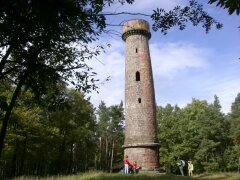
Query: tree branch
{"x": 123, "y": 13}
{"x": 4, "y": 60}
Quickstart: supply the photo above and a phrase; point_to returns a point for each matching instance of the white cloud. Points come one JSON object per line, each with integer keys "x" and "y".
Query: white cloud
{"x": 168, "y": 60}
{"x": 110, "y": 64}
{"x": 182, "y": 70}
{"x": 226, "y": 86}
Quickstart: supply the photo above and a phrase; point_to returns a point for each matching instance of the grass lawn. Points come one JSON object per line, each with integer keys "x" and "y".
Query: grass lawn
{"x": 145, "y": 176}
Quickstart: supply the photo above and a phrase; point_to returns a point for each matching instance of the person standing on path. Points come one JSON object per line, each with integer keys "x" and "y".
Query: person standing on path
{"x": 126, "y": 164}
{"x": 190, "y": 168}
{"x": 181, "y": 165}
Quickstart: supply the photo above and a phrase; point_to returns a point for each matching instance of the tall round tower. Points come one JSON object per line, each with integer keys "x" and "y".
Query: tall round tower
{"x": 141, "y": 142}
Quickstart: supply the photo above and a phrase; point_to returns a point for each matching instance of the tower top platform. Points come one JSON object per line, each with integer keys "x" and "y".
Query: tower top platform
{"x": 135, "y": 26}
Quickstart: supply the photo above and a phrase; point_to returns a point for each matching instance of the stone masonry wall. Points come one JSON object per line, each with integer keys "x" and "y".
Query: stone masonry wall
{"x": 141, "y": 142}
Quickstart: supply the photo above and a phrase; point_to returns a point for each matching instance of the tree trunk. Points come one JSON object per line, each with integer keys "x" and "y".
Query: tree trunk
{"x": 21, "y": 169}
{"x": 9, "y": 111}
{"x": 86, "y": 160}
{"x": 106, "y": 160}
{"x": 100, "y": 153}
{"x": 111, "y": 166}
{"x": 73, "y": 163}
{"x": 14, "y": 160}
{"x": 109, "y": 156}
{"x": 238, "y": 165}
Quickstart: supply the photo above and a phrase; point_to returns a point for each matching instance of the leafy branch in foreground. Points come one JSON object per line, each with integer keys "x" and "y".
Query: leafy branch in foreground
{"x": 43, "y": 44}
{"x": 231, "y": 5}
{"x": 193, "y": 13}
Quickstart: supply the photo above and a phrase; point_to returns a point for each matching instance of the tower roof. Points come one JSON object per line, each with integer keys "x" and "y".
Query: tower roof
{"x": 135, "y": 26}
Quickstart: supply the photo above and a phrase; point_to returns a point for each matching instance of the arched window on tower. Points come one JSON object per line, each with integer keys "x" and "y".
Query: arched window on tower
{"x": 137, "y": 76}
{"x": 139, "y": 100}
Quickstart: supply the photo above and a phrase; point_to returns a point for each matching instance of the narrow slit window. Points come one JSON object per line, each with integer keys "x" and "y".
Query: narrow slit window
{"x": 137, "y": 76}
{"x": 136, "y": 50}
{"x": 139, "y": 100}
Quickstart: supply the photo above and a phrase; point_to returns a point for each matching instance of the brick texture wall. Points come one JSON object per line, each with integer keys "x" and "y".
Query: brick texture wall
{"x": 141, "y": 142}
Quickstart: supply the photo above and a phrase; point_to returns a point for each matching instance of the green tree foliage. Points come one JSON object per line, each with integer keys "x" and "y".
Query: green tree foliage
{"x": 235, "y": 120}
{"x": 76, "y": 127}
{"x": 211, "y": 134}
{"x": 41, "y": 141}
{"x": 169, "y": 134}
{"x": 26, "y": 137}
{"x": 45, "y": 43}
{"x": 43, "y": 46}
{"x": 199, "y": 132}
{"x": 110, "y": 133}
{"x": 233, "y": 154}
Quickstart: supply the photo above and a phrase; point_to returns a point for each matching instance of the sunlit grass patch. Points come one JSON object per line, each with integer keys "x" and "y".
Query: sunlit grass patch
{"x": 98, "y": 175}
{"x": 219, "y": 176}
{"x": 120, "y": 176}
{"x": 108, "y": 176}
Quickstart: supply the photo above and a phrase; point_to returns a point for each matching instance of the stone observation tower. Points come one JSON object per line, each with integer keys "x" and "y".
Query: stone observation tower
{"x": 141, "y": 142}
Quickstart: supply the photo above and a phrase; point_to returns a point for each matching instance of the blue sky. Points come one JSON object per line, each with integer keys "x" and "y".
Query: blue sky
{"x": 186, "y": 64}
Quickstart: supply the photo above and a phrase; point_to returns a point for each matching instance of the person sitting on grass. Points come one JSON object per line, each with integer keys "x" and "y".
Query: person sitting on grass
{"x": 134, "y": 167}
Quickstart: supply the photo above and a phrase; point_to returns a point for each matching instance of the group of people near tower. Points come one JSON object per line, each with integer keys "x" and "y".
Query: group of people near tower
{"x": 130, "y": 167}
{"x": 181, "y": 164}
